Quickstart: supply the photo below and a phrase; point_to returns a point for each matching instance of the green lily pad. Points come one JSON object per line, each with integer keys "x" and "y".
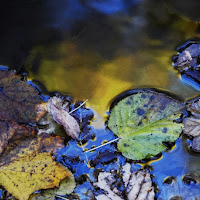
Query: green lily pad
{"x": 143, "y": 121}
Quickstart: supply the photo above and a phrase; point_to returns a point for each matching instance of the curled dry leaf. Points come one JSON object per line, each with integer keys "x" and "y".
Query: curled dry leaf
{"x": 30, "y": 165}
{"x": 19, "y": 104}
{"x": 138, "y": 185}
{"x": 192, "y": 123}
{"x": 61, "y": 116}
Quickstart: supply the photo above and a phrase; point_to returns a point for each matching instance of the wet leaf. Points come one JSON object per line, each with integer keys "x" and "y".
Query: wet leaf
{"x": 10, "y": 130}
{"x": 19, "y": 101}
{"x": 67, "y": 186}
{"x": 192, "y": 123}
{"x": 19, "y": 104}
{"x": 61, "y": 116}
{"x": 188, "y": 57}
{"x": 29, "y": 166}
{"x": 187, "y": 62}
{"x": 143, "y": 121}
{"x": 138, "y": 185}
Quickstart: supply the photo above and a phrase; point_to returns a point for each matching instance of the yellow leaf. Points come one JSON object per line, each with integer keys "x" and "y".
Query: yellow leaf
{"x": 27, "y": 174}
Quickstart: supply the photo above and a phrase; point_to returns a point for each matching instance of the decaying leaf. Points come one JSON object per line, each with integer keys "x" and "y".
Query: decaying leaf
{"x": 61, "y": 116}
{"x": 138, "y": 185}
{"x": 67, "y": 186}
{"x": 143, "y": 121}
{"x": 188, "y": 57}
{"x": 10, "y": 130}
{"x": 187, "y": 63}
{"x": 19, "y": 104}
{"x": 192, "y": 123}
{"x": 29, "y": 166}
{"x": 19, "y": 101}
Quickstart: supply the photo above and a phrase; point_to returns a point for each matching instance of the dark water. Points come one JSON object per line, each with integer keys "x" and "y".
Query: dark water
{"x": 95, "y": 50}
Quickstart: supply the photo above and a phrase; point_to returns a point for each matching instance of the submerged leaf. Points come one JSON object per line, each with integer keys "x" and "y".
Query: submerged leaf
{"x": 143, "y": 121}
{"x": 61, "y": 116}
{"x": 30, "y": 166}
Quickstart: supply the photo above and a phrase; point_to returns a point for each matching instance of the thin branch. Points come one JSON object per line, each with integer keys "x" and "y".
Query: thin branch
{"x": 78, "y": 106}
{"x": 61, "y": 197}
{"x": 101, "y": 145}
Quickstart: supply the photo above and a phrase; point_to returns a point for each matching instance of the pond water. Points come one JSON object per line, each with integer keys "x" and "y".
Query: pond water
{"x": 96, "y": 50}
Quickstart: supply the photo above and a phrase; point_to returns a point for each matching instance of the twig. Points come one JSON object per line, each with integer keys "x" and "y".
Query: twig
{"x": 78, "y": 106}
{"x": 61, "y": 197}
{"x": 101, "y": 145}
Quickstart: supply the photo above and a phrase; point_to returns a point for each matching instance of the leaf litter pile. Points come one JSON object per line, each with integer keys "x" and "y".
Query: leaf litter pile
{"x": 26, "y": 162}
{"x": 36, "y": 164}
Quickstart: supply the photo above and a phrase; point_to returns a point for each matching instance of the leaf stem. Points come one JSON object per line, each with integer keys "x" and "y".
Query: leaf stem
{"x": 101, "y": 145}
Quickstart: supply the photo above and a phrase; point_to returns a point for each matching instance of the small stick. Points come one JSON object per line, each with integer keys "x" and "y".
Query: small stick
{"x": 78, "y": 106}
{"x": 101, "y": 145}
{"x": 61, "y": 197}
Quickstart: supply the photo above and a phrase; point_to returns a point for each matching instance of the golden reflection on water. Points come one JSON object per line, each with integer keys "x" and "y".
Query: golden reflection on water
{"x": 85, "y": 74}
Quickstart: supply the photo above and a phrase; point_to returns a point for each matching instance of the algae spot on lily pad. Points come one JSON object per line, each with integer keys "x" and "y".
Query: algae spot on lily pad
{"x": 143, "y": 121}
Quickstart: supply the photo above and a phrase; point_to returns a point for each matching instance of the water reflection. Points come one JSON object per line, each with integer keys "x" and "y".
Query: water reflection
{"x": 177, "y": 163}
{"x": 101, "y": 53}
{"x": 97, "y": 49}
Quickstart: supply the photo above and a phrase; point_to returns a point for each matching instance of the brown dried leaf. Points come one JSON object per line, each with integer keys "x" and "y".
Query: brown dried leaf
{"x": 61, "y": 116}
{"x": 10, "y": 130}
{"x": 18, "y": 100}
{"x": 19, "y": 104}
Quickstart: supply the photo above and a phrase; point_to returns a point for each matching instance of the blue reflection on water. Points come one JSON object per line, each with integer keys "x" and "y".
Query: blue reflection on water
{"x": 66, "y": 13}
{"x": 3, "y": 68}
{"x": 88, "y": 163}
{"x": 191, "y": 81}
{"x": 112, "y": 6}
{"x": 175, "y": 163}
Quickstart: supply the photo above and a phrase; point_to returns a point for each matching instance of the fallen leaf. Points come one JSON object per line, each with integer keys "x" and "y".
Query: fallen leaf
{"x": 143, "y": 121}
{"x": 20, "y": 104}
{"x": 196, "y": 144}
{"x": 187, "y": 63}
{"x": 30, "y": 166}
{"x": 138, "y": 185}
{"x": 192, "y": 123}
{"x": 67, "y": 186}
{"x": 11, "y": 133}
{"x": 61, "y": 116}
{"x": 19, "y": 101}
